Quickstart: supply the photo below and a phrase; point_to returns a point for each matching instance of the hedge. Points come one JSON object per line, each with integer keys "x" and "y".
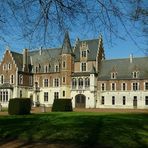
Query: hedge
{"x": 62, "y": 105}
{"x": 19, "y": 106}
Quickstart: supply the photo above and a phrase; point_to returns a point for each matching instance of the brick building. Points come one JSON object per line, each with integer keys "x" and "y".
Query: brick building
{"x": 78, "y": 72}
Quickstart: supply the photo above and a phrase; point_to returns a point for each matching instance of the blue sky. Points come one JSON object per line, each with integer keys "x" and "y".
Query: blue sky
{"x": 118, "y": 49}
{"x": 114, "y": 48}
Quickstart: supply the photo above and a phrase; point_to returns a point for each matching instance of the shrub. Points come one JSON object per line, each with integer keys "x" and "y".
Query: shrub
{"x": 62, "y": 105}
{"x": 19, "y": 106}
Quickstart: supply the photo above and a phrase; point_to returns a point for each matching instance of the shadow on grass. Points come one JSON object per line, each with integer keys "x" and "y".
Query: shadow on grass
{"x": 85, "y": 129}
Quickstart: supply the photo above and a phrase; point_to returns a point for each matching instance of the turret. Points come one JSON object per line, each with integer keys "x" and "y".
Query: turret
{"x": 66, "y": 48}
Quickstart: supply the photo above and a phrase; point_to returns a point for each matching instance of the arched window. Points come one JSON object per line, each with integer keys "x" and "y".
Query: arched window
{"x": 80, "y": 83}
{"x": 87, "y": 82}
{"x": 74, "y": 83}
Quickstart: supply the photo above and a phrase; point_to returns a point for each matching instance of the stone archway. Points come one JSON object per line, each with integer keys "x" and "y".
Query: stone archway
{"x": 80, "y": 101}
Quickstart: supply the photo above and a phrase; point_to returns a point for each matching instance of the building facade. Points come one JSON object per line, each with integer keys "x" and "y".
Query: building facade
{"x": 78, "y": 72}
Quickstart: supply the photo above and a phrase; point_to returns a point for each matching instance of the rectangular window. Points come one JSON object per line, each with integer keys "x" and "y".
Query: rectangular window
{"x": 113, "y": 86}
{"x": 1, "y": 96}
{"x": 56, "y": 82}
{"x": 56, "y": 95}
{"x": 63, "y": 93}
{"x": 103, "y": 86}
{"x": 113, "y": 100}
{"x": 84, "y": 53}
{"x": 6, "y": 96}
{"x": 64, "y": 64}
{"x": 123, "y": 86}
{"x": 135, "y": 86}
{"x": 63, "y": 79}
{"x": 146, "y": 85}
{"x": 102, "y": 100}
{"x": 45, "y": 82}
{"x": 45, "y": 96}
{"x": 124, "y": 100}
{"x": 83, "y": 66}
{"x": 9, "y": 66}
{"x": 2, "y": 79}
{"x": 45, "y": 69}
{"x": 146, "y": 100}
{"x": 57, "y": 68}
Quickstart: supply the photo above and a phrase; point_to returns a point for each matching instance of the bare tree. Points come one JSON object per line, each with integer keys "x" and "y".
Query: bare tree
{"x": 41, "y": 20}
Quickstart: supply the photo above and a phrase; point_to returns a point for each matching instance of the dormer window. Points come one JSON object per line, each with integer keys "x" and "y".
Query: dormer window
{"x": 84, "y": 54}
{"x": 56, "y": 68}
{"x": 45, "y": 69}
{"x": 135, "y": 74}
{"x": 113, "y": 75}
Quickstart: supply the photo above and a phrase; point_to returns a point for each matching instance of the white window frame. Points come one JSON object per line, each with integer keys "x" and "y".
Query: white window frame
{"x": 145, "y": 86}
{"x": 56, "y": 82}
{"x": 83, "y": 64}
{"x": 104, "y": 86}
{"x": 135, "y": 74}
{"x": 9, "y": 66}
{"x": 11, "y": 79}
{"x": 112, "y": 87}
{"x": 113, "y": 75}
{"x": 122, "y": 86}
{"x": 46, "y": 68}
{"x": 46, "y": 82}
{"x": 46, "y": 96}
{"x": 2, "y": 78}
{"x": 135, "y": 85}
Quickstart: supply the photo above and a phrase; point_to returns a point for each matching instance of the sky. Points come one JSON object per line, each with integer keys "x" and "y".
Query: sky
{"x": 114, "y": 48}
{"x": 118, "y": 49}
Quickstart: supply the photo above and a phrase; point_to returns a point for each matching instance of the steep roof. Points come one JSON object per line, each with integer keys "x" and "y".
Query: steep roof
{"x": 124, "y": 68}
{"x": 92, "y": 49}
{"x": 66, "y": 48}
{"x": 18, "y": 58}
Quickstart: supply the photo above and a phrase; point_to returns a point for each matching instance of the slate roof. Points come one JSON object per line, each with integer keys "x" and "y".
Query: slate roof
{"x": 66, "y": 48}
{"x": 92, "y": 49}
{"x": 124, "y": 68}
{"x": 18, "y": 58}
{"x": 47, "y": 56}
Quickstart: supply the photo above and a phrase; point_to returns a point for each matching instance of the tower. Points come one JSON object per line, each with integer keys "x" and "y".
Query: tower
{"x": 67, "y": 66}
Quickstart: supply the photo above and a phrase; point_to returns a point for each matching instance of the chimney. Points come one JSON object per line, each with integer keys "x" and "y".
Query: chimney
{"x": 25, "y": 59}
{"x": 131, "y": 58}
{"x": 40, "y": 52}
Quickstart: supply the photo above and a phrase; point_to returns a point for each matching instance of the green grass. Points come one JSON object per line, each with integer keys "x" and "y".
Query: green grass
{"x": 91, "y": 129}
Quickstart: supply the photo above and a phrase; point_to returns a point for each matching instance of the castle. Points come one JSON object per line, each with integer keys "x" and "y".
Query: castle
{"x": 78, "y": 72}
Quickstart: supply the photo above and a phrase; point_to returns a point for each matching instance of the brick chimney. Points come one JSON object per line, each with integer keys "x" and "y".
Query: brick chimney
{"x": 25, "y": 60}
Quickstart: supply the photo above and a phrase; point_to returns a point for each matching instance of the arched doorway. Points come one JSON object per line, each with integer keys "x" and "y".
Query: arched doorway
{"x": 80, "y": 101}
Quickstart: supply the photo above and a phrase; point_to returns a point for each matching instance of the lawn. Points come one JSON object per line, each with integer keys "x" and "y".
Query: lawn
{"x": 91, "y": 129}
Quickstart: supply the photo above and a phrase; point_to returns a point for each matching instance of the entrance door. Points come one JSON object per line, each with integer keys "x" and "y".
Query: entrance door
{"x": 80, "y": 101}
{"x": 135, "y": 102}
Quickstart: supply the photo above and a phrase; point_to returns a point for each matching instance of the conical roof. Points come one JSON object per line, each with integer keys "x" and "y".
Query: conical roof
{"x": 66, "y": 48}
